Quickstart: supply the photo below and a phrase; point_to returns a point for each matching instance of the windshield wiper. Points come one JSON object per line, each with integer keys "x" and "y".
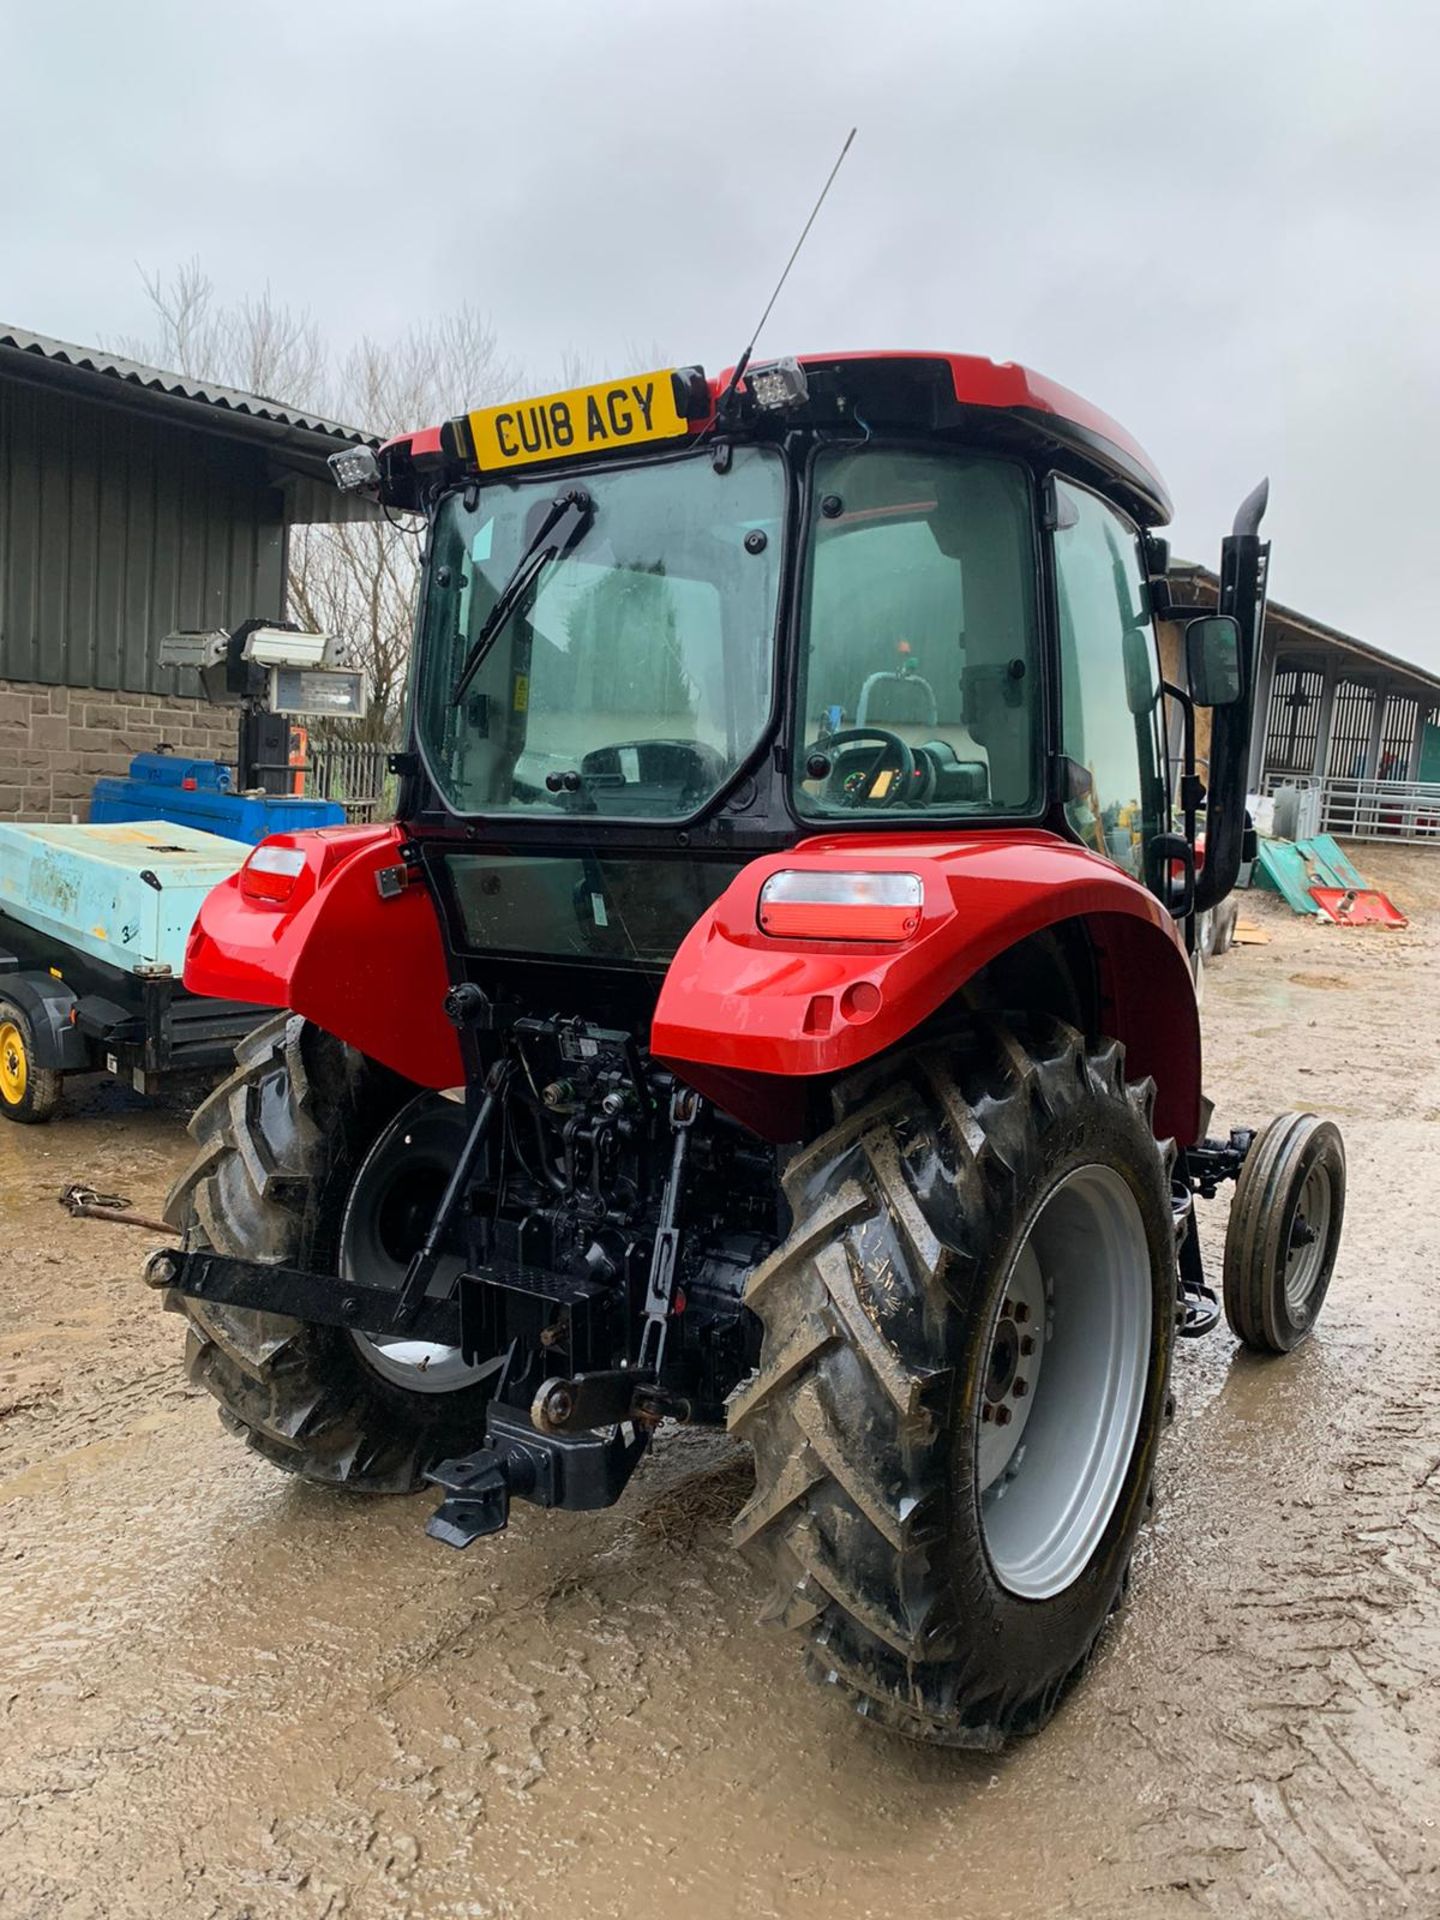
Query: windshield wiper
{"x": 527, "y": 568}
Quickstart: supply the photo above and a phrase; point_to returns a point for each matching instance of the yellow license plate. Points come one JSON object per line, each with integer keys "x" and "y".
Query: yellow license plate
{"x": 586, "y": 420}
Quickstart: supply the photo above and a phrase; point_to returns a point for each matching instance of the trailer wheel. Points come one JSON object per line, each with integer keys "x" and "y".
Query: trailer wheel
{"x": 963, "y": 1379}
{"x": 308, "y": 1156}
{"x": 29, "y": 1094}
{"x": 1284, "y": 1231}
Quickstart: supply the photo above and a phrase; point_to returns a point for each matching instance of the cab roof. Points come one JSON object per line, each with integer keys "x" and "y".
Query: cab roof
{"x": 926, "y": 391}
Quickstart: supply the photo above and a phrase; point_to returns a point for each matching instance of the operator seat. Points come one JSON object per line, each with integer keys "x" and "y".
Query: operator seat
{"x": 905, "y": 704}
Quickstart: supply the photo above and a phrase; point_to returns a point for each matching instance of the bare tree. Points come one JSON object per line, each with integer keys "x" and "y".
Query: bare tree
{"x": 355, "y": 580}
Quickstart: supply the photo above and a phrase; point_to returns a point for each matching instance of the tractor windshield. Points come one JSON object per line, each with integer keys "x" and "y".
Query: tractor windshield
{"x": 633, "y": 672}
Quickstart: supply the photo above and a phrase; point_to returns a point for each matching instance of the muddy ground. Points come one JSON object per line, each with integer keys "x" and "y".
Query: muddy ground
{"x": 223, "y": 1694}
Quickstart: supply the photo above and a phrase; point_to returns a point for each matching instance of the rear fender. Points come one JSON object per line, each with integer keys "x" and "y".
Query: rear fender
{"x": 367, "y": 968}
{"x": 747, "y": 1018}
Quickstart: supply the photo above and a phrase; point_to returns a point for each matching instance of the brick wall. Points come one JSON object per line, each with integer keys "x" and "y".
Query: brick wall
{"x": 55, "y": 742}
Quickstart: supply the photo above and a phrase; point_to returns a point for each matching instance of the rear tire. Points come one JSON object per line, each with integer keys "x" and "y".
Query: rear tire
{"x": 279, "y": 1147}
{"x": 952, "y": 1186}
{"x": 29, "y": 1095}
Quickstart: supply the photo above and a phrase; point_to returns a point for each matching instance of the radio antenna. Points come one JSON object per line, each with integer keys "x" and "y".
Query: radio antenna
{"x": 744, "y": 361}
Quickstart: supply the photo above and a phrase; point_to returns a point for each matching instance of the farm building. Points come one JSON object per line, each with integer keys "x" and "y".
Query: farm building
{"x": 1343, "y": 716}
{"x": 132, "y": 502}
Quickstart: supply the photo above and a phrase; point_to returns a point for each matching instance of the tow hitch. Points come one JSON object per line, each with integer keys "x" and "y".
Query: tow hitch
{"x": 573, "y": 1470}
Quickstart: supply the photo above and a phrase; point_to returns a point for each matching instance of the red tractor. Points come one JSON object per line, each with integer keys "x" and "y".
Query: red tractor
{"x": 772, "y": 1007}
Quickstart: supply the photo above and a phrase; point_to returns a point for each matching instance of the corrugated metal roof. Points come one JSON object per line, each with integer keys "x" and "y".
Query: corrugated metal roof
{"x": 174, "y": 386}
{"x": 1305, "y": 627}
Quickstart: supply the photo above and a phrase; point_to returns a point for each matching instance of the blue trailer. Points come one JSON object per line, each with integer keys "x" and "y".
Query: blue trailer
{"x": 93, "y": 925}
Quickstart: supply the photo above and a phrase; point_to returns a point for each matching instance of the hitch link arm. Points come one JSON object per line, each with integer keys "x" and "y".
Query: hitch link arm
{"x": 421, "y": 1270}
{"x": 665, "y": 1260}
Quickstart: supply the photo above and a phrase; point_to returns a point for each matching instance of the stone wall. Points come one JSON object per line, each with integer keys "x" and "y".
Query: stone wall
{"x": 56, "y": 741}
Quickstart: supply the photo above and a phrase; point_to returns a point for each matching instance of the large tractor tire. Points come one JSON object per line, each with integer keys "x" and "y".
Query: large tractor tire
{"x": 308, "y": 1156}
{"x": 963, "y": 1379}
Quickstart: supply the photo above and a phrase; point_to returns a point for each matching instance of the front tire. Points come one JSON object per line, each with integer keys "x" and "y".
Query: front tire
{"x": 1283, "y": 1236}
{"x": 280, "y": 1175}
{"x": 950, "y": 1568}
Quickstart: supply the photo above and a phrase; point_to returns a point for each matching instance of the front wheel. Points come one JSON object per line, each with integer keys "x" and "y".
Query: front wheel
{"x": 1283, "y": 1236}
{"x": 963, "y": 1380}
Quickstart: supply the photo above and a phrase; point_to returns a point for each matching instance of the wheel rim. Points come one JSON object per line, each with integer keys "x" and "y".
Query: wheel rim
{"x": 1309, "y": 1237}
{"x": 1058, "y": 1418}
{"x": 390, "y": 1206}
{"x": 14, "y": 1070}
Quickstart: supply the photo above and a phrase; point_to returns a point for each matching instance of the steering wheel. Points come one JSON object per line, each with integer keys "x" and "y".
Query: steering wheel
{"x": 893, "y": 752}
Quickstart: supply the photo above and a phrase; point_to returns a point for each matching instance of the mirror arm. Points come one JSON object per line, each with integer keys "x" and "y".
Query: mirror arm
{"x": 1168, "y": 848}
{"x": 1192, "y": 796}
{"x": 1192, "y": 787}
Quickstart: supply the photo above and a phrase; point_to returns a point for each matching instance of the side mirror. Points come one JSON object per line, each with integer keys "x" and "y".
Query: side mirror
{"x": 1212, "y": 660}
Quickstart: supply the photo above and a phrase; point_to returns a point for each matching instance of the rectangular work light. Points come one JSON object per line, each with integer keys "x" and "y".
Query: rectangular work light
{"x": 354, "y": 469}
{"x": 780, "y": 385}
{"x": 803, "y": 905}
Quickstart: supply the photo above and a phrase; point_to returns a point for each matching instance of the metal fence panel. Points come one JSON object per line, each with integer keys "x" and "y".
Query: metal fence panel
{"x": 1381, "y": 810}
{"x": 354, "y": 773}
{"x": 1407, "y": 810}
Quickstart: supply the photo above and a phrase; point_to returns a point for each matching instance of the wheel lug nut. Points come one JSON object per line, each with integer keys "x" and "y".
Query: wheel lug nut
{"x": 1027, "y": 1345}
{"x": 1002, "y": 1416}
{"x": 1007, "y": 1309}
{"x": 987, "y": 1412}
{"x": 1020, "y": 1389}
{"x": 1022, "y": 1313}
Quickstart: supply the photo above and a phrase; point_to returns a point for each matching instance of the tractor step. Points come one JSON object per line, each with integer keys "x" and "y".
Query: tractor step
{"x": 1199, "y": 1309}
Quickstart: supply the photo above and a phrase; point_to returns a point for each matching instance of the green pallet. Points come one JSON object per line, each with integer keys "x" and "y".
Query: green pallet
{"x": 1291, "y": 867}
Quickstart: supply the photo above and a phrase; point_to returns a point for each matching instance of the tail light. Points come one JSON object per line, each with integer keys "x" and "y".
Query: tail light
{"x": 841, "y": 906}
{"x": 271, "y": 872}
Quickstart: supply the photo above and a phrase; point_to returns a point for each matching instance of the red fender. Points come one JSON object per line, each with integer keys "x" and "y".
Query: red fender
{"x": 368, "y": 969}
{"x": 742, "y": 1015}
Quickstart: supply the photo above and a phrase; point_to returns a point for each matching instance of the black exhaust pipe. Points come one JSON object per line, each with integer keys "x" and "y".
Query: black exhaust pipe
{"x": 1244, "y": 564}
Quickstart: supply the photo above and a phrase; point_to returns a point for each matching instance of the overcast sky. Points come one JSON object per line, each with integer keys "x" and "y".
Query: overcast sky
{"x": 1220, "y": 223}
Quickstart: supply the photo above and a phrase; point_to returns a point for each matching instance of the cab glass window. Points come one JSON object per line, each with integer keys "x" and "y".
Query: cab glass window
{"x": 1109, "y": 682}
{"x": 918, "y": 691}
{"x": 634, "y": 672}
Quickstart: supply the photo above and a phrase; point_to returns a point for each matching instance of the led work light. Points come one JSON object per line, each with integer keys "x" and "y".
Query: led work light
{"x": 777, "y": 386}
{"x": 354, "y": 469}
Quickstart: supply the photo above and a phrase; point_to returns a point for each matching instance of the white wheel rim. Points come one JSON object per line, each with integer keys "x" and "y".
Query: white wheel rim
{"x": 1052, "y": 1473}
{"x": 408, "y": 1163}
{"x": 1309, "y": 1237}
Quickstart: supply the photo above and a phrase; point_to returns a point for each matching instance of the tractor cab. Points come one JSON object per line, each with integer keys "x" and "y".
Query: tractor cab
{"x": 682, "y": 621}
{"x": 771, "y": 1007}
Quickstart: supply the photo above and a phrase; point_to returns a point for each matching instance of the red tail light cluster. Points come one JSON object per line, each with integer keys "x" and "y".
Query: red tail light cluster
{"x": 814, "y": 905}
{"x": 270, "y": 873}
